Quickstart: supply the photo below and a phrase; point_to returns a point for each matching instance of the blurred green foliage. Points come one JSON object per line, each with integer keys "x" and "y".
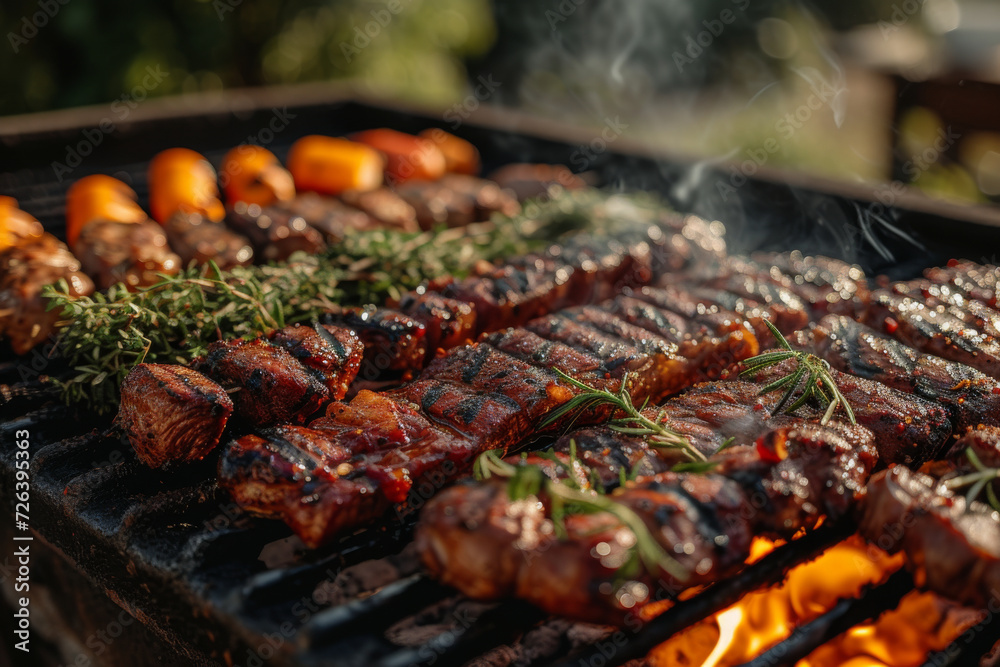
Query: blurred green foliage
{"x": 65, "y": 53}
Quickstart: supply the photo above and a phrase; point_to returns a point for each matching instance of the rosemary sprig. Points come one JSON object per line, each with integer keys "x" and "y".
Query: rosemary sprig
{"x": 811, "y": 378}
{"x": 568, "y": 496}
{"x": 978, "y": 481}
{"x": 655, "y": 431}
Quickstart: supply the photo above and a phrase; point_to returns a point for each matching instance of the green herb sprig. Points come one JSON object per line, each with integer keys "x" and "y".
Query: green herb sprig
{"x": 568, "y": 496}
{"x": 655, "y": 431}
{"x": 978, "y": 481}
{"x": 811, "y": 379}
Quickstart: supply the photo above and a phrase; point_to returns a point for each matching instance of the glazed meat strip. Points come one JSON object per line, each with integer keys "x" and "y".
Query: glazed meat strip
{"x": 933, "y": 330}
{"x": 952, "y": 546}
{"x": 970, "y": 396}
{"x": 474, "y": 537}
{"x": 976, "y": 281}
{"x": 908, "y": 430}
{"x": 475, "y": 398}
{"x": 790, "y": 312}
{"x": 25, "y": 268}
{"x": 828, "y": 285}
{"x": 171, "y": 413}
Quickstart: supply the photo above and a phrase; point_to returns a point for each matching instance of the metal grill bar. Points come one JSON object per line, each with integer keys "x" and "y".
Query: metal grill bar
{"x": 844, "y": 616}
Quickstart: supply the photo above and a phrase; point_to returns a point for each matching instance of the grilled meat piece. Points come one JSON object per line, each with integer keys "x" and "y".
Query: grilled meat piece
{"x": 133, "y": 253}
{"x": 532, "y": 180}
{"x": 984, "y": 441}
{"x": 392, "y": 340}
{"x": 384, "y": 206}
{"x": 274, "y": 231}
{"x": 829, "y": 285}
{"x": 269, "y": 385}
{"x": 197, "y": 239}
{"x": 971, "y": 397}
{"x": 933, "y": 330}
{"x": 789, "y": 311}
{"x": 24, "y": 270}
{"x": 908, "y": 429}
{"x": 974, "y": 313}
{"x": 977, "y": 281}
{"x": 474, "y": 537}
{"x": 171, "y": 413}
{"x": 488, "y": 196}
{"x": 330, "y": 217}
{"x": 448, "y": 322}
{"x": 332, "y": 354}
{"x": 437, "y": 204}
{"x": 952, "y": 547}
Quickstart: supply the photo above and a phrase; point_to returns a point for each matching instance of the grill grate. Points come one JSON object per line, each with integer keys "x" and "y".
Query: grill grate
{"x": 173, "y": 550}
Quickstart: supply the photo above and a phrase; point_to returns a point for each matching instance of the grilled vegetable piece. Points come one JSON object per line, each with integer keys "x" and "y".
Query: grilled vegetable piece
{"x": 133, "y": 253}
{"x": 332, "y": 354}
{"x": 407, "y": 157}
{"x": 952, "y": 547}
{"x": 24, "y": 269}
{"x": 460, "y": 156}
{"x": 181, "y": 179}
{"x": 330, "y": 166}
{"x": 474, "y": 537}
{"x": 99, "y": 197}
{"x": 171, "y": 414}
{"x": 253, "y": 174}
{"x": 16, "y": 226}
{"x": 970, "y": 396}
{"x": 197, "y": 239}
{"x": 269, "y": 386}
{"x": 274, "y": 231}
{"x": 933, "y": 330}
{"x": 527, "y": 181}
{"x": 384, "y": 207}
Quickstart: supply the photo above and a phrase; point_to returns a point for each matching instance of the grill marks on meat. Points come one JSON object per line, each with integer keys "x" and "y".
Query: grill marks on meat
{"x": 952, "y": 548}
{"x": 274, "y": 232}
{"x": 332, "y": 354}
{"x": 828, "y": 285}
{"x": 970, "y": 396}
{"x": 393, "y": 341}
{"x": 24, "y": 270}
{"x": 171, "y": 413}
{"x": 197, "y": 239}
{"x": 473, "y": 537}
{"x": 269, "y": 385}
{"x": 492, "y": 394}
{"x": 908, "y": 429}
{"x": 933, "y": 330}
{"x": 977, "y": 281}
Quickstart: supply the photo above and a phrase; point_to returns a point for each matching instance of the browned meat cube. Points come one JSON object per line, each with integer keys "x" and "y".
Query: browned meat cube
{"x": 275, "y": 233}
{"x": 332, "y": 354}
{"x": 134, "y": 253}
{"x": 385, "y": 206}
{"x": 269, "y": 385}
{"x": 197, "y": 239}
{"x": 171, "y": 414}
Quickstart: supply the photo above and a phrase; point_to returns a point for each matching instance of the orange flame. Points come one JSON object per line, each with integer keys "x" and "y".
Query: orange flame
{"x": 764, "y": 618}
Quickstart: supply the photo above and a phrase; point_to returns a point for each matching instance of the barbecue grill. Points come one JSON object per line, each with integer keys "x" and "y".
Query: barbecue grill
{"x": 206, "y": 584}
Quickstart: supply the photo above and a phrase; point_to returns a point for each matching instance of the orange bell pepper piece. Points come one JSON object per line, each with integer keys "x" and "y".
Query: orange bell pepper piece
{"x": 330, "y": 166}
{"x": 408, "y": 158}
{"x": 253, "y": 174}
{"x": 99, "y": 197}
{"x": 182, "y": 180}
{"x": 460, "y": 156}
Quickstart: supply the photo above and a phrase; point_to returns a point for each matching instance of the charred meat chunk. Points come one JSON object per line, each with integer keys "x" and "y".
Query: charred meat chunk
{"x": 332, "y": 354}
{"x": 275, "y": 232}
{"x": 24, "y": 270}
{"x": 197, "y": 239}
{"x": 384, "y": 206}
{"x": 171, "y": 414}
{"x": 269, "y": 386}
{"x": 448, "y": 322}
{"x": 393, "y": 341}
{"x": 133, "y": 253}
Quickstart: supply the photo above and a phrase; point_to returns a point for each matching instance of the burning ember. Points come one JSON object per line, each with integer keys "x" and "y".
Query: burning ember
{"x": 922, "y": 623}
